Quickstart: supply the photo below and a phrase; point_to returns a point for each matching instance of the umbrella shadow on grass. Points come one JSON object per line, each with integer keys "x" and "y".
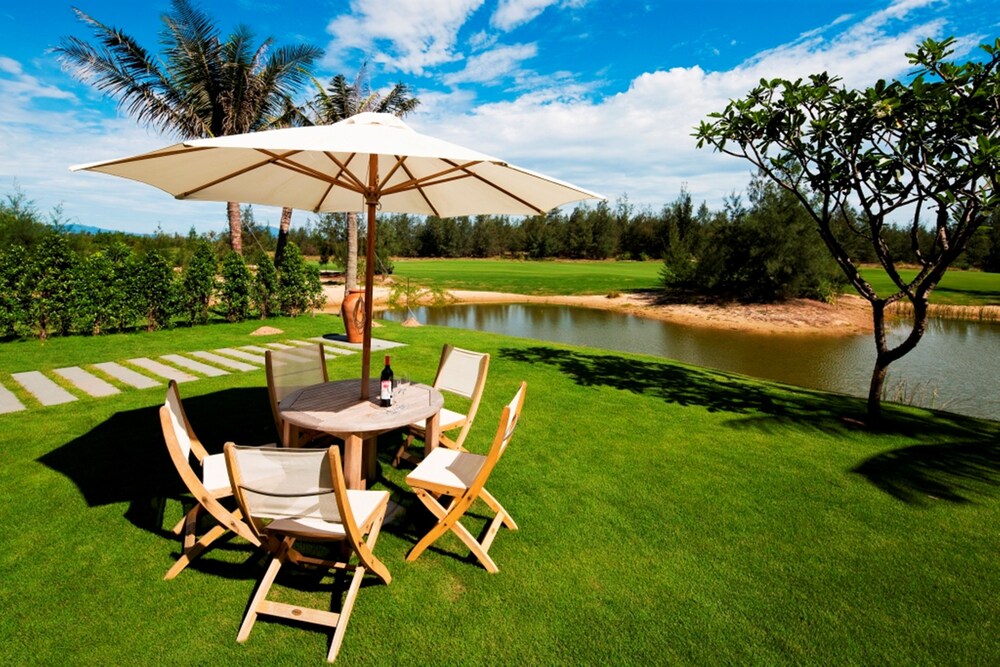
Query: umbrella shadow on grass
{"x": 956, "y": 472}
{"x": 952, "y": 458}
{"x": 124, "y": 459}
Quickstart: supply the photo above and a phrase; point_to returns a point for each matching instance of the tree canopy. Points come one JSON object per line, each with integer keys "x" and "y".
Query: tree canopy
{"x": 927, "y": 149}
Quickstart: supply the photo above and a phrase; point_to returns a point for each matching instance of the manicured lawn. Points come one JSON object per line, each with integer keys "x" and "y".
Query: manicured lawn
{"x": 529, "y": 277}
{"x": 957, "y": 288}
{"x": 669, "y": 515}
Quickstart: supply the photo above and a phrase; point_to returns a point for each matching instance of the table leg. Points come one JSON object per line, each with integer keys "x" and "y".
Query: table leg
{"x": 353, "y": 451}
{"x": 433, "y": 433}
{"x": 370, "y": 463}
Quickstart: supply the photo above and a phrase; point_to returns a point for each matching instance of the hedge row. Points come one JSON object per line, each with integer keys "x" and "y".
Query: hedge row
{"x": 47, "y": 289}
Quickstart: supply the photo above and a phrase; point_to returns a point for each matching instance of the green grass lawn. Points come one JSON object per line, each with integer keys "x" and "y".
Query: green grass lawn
{"x": 668, "y": 514}
{"x": 957, "y": 288}
{"x": 962, "y": 288}
{"x": 525, "y": 277}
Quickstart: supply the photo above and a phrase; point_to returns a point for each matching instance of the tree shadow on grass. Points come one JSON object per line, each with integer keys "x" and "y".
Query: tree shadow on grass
{"x": 952, "y": 457}
{"x": 124, "y": 459}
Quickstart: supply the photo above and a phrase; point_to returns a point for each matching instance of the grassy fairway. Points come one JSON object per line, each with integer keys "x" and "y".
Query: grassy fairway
{"x": 957, "y": 288}
{"x": 962, "y": 288}
{"x": 668, "y": 514}
{"x": 523, "y": 277}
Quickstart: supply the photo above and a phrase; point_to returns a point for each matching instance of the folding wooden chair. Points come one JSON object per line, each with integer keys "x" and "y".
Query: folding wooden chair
{"x": 207, "y": 485}
{"x": 300, "y": 494}
{"x": 288, "y": 371}
{"x": 460, "y": 372}
{"x": 461, "y": 476}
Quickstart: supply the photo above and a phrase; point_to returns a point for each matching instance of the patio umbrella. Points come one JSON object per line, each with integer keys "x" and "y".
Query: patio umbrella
{"x": 370, "y": 161}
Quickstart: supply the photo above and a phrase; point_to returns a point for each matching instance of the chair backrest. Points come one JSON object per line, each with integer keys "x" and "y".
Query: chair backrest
{"x": 181, "y": 441}
{"x": 290, "y": 370}
{"x": 182, "y": 436}
{"x": 505, "y": 430}
{"x": 282, "y": 483}
{"x": 462, "y": 372}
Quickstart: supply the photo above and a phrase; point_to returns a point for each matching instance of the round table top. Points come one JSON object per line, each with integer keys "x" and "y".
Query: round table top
{"x": 336, "y": 407}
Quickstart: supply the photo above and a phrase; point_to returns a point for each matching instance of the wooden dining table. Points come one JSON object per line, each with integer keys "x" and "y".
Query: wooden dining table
{"x": 336, "y": 408}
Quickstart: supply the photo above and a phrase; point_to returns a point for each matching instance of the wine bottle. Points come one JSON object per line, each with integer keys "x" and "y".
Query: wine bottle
{"x": 386, "y": 392}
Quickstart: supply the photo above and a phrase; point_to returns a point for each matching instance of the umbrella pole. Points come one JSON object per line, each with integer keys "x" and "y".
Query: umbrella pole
{"x": 366, "y": 345}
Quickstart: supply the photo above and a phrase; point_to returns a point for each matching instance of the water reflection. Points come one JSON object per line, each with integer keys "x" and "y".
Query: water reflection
{"x": 954, "y": 366}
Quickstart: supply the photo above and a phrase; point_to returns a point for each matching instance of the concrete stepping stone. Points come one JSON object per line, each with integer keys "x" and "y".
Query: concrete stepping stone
{"x": 87, "y": 382}
{"x": 127, "y": 375}
{"x": 45, "y": 390}
{"x": 377, "y": 343}
{"x": 280, "y": 346}
{"x": 8, "y": 401}
{"x": 192, "y": 365}
{"x": 240, "y": 354}
{"x": 254, "y": 348}
{"x": 164, "y": 371}
{"x": 224, "y": 361}
{"x": 333, "y": 348}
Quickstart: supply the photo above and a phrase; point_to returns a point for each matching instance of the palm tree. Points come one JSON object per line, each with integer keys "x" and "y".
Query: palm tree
{"x": 199, "y": 86}
{"x": 338, "y": 101}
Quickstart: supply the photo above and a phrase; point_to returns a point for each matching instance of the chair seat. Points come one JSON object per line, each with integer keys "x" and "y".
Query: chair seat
{"x": 446, "y": 469}
{"x": 449, "y": 420}
{"x": 364, "y": 505}
{"x": 214, "y": 474}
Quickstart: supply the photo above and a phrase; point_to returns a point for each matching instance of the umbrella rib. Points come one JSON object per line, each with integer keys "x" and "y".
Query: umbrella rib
{"x": 400, "y": 165}
{"x": 184, "y": 150}
{"x": 231, "y": 175}
{"x": 432, "y": 179}
{"x": 497, "y": 187}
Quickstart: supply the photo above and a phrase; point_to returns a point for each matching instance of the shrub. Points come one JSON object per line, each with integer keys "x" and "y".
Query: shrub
{"x": 265, "y": 286}
{"x": 236, "y": 287}
{"x": 156, "y": 289}
{"x": 293, "y": 282}
{"x": 198, "y": 284}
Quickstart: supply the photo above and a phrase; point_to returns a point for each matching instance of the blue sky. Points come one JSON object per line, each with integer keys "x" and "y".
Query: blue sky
{"x": 601, "y": 93}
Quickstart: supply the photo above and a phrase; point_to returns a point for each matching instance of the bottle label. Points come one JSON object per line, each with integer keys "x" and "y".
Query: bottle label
{"x": 386, "y": 394}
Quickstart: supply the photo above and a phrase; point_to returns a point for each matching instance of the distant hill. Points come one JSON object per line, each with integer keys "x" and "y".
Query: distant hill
{"x": 76, "y": 228}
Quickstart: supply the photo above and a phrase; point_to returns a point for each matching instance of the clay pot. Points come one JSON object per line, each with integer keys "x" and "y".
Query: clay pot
{"x": 352, "y": 311}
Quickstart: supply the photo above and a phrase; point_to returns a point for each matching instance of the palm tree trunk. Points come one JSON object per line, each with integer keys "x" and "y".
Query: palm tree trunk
{"x": 283, "y": 226}
{"x": 351, "y": 270}
{"x": 235, "y": 227}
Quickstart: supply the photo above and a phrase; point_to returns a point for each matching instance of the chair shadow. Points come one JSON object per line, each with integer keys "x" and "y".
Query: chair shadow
{"x": 953, "y": 457}
{"x": 124, "y": 459}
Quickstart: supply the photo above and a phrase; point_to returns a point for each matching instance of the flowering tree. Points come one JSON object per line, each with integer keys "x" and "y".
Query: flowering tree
{"x": 927, "y": 150}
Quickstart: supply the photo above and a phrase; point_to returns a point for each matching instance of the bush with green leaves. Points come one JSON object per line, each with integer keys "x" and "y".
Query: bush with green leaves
{"x": 12, "y": 316}
{"x": 156, "y": 289}
{"x": 46, "y": 286}
{"x": 198, "y": 284}
{"x": 236, "y": 287}
{"x": 293, "y": 283}
{"x": 265, "y": 286}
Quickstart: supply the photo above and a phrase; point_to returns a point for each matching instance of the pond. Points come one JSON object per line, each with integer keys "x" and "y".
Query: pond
{"x": 953, "y": 368}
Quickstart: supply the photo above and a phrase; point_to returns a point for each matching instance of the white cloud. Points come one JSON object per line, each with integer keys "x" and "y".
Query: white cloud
{"x": 639, "y": 141}
{"x": 407, "y": 36}
{"x": 513, "y": 13}
{"x": 492, "y": 66}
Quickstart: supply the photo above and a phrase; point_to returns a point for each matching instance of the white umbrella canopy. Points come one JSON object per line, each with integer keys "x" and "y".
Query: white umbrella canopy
{"x": 368, "y": 161}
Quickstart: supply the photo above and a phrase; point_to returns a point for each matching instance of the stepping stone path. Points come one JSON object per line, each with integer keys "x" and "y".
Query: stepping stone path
{"x": 91, "y": 384}
{"x": 46, "y": 391}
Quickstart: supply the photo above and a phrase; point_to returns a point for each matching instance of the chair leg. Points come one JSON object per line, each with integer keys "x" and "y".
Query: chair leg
{"x": 190, "y": 528}
{"x": 345, "y": 613}
{"x": 402, "y": 452}
{"x": 190, "y": 554}
{"x": 260, "y": 597}
{"x": 497, "y": 508}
